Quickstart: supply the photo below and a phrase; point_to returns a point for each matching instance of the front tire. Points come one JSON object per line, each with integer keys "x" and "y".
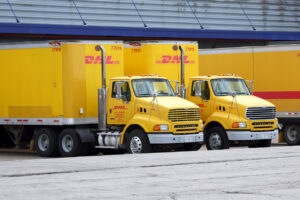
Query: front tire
{"x": 291, "y": 134}
{"x": 69, "y": 143}
{"x": 46, "y": 142}
{"x": 138, "y": 142}
{"x": 217, "y": 139}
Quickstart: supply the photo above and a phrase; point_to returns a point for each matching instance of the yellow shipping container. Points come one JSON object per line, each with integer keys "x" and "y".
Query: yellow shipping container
{"x": 162, "y": 58}
{"x": 54, "y": 82}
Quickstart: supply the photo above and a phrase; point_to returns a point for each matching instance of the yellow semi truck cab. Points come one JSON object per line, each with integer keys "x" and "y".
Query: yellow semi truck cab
{"x": 144, "y": 111}
{"x": 231, "y": 113}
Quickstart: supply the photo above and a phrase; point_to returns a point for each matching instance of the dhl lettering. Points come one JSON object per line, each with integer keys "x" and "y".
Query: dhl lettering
{"x": 55, "y": 44}
{"x": 135, "y": 44}
{"x": 201, "y": 105}
{"x": 174, "y": 59}
{"x": 119, "y": 108}
{"x": 97, "y": 60}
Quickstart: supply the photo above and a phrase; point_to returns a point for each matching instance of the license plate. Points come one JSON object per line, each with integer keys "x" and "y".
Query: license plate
{"x": 188, "y": 139}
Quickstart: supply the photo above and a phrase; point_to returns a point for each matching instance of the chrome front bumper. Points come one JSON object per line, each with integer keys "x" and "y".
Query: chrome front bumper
{"x": 169, "y": 138}
{"x": 249, "y": 135}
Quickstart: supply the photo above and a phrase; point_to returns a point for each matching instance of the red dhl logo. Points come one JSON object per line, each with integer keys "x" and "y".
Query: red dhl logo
{"x": 174, "y": 59}
{"x": 120, "y": 108}
{"x": 97, "y": 60}
{"x": 201, "y": 105}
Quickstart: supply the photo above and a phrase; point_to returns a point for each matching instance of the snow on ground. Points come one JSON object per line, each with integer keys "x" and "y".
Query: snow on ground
{"x": 238, "y": 174}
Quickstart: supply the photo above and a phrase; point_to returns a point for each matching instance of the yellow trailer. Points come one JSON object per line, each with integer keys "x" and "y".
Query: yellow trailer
{"x": 70, "y": 97}
{"x": 54, "y": 83}
{"x": 274, "y": 71}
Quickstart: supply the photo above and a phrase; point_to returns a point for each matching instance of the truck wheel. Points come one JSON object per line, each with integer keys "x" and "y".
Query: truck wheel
{"x": 138, "y": 142}
{"x": 192, "y": 146}
{"x": 46, "y": 142}
{"x": 217, "y": 139}
{"x": 291, "y": 134}
{"x": 69, "y": 143}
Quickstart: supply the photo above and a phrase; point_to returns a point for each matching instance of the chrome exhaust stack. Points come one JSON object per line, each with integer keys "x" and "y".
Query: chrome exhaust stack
{"x": 102, "y": 93}
{"x": 182, "y": 83}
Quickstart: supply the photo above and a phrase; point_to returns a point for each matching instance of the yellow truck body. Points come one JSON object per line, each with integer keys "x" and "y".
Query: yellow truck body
{"x": 162, "y": 58}
{"x": 54, "y": 83}
{"x": 274, "y": 71}
{"x": 230, "y": 113}
{"x": 54, "y": 93}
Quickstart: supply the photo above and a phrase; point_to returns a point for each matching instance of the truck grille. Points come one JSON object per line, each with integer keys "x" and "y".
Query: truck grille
{"x": 256, "y": 113}
{"x": 178, "y": 115}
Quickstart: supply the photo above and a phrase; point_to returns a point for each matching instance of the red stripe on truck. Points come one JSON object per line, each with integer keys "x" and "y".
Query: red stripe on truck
{"x": 278, "y": 95}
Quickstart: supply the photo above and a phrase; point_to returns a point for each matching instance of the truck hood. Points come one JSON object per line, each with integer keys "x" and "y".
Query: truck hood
{"x": 245, "y": 101}
{"x": 168, "y": 102}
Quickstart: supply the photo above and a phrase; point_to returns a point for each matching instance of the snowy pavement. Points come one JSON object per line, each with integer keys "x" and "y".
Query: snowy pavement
{"x": 238, "y": 174}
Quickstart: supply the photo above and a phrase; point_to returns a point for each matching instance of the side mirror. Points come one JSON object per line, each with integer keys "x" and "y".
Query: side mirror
{"x": 119, "y": 91}
{"x": 198, "y": 88}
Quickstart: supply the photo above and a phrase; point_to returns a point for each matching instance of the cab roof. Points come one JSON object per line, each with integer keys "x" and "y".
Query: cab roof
{"x": 210, "y": 77}
{"x": 147, "y": 76}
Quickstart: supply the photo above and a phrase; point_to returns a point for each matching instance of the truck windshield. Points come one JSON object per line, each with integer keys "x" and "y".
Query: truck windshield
{"x": 225, "y": 86}
{"x": 148, "y": 87}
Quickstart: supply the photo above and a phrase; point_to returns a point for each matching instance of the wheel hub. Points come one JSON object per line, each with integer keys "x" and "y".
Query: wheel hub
{"x": 292, "y": 133}
{"x": 67, "y": 143}
{"x": 215, "y": 141}
{"x": 43, "y": 142}
{"x": 136, "y": 145}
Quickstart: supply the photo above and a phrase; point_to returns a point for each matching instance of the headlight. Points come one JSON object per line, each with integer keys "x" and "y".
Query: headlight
{"x": 163, "y": 127}
{"x": 239, "y": 125}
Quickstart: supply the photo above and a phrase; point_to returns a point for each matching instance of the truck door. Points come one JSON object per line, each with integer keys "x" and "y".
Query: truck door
{"x": 204, "y": 101}
{"x": 119, "y": 111}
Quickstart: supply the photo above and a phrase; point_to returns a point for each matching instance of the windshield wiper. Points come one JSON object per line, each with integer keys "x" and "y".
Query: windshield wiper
{"x": 144, "y": 95}
{"x": 242, "y": 93}
{"x": 223, "y": 93}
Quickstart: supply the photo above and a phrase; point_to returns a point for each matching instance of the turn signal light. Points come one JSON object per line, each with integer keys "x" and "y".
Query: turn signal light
{"x": 161, "y": 128}
{"x": 239, "y": 125}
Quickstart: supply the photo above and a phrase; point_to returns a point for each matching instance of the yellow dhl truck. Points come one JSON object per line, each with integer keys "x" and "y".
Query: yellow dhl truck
{"x": 72, "y": 98}
{"x": 229, "y": 111}
{"x": 273, "y": 69}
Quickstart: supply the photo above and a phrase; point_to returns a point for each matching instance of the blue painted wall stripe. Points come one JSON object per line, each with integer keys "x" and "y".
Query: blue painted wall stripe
{"x": 89, "y": 31}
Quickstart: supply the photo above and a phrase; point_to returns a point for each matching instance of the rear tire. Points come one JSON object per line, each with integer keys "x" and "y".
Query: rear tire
{"x": 291, "y": 134}
{"x": 217, "y": 139}
{"x": 69, "y": 144}
{"x": 46, "y": 142}
{"x": 138, "y": 142}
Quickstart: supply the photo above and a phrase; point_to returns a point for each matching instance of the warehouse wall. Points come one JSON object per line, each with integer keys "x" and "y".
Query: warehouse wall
{"x": 246, "y": 15}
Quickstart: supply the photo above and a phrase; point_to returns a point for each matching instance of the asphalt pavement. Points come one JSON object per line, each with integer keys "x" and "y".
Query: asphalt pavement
{"x": 261, "y": 173}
